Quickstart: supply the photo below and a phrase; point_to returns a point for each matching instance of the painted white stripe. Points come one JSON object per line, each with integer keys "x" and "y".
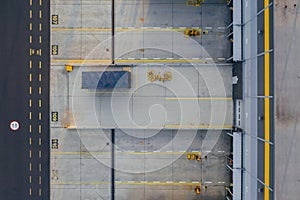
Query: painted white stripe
{"x": 207, "y": 182}
{"x": 156, "y": 58}
{"x": 221, "y": 27}
{"x": 144, "y": 58}
{"x": 170, "y": 58}
{"x": 195, "y": 58}
{"x": 131, "y": 58}
{"x": 208, "y": 27}
{"x": 208, "y": 58}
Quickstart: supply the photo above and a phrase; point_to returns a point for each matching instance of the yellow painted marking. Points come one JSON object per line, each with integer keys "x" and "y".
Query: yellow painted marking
{"x": 30, "y": 128}
{"x": 40, "y": 128}
{"x": 30, "y": 191}
{"x": 200, "y": 98}
{"x": 171, "y": 183}
{"x": 30, "y": 153}
{"x": 40, "y": 26}
{"x": 40, "y": 167}
{"x": 40, "y": 90}
{"x": 30, "y": 14}
{"x": 117, "y": 29}
{"x": 40, "y": 77}
{"x": 40, "y": 192}
{"x": 40, "y": 103}
{"x": 30, "y": 77}
{"x": 30, "y": 102}
{"x": 30, "y": 90}
{"x": 41, "y": 2}
{"x": 30, "y": 179}
{"x": 30, "y": 2}
{"x": 119, "y": 152}
{"x": 198, "y": 126}
{"x": 30, "y": 39}
{"x": 30, "y": 141}
{"x": 40, "y": 14}
{"x": 30, "y": 166}
{"x": 30, "y": 64}
{"x": 30, "y": 26}
{"x": 40, "y": 39}
{"x": 40, "y": 64}
{"x": 40, "y": 116}
{"x": 40, "y": 141}
{"x": 267, "y": 100}
{"x": 40, "y": 153}
{"x": 126, "y": 61}
{"x": 30, "y": 115}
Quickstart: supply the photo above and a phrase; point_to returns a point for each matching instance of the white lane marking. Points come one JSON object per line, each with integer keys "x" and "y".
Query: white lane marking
{"x": 207, "y": 182}
{"x": 156, "y": 58}
{"x": 208, "y": 27}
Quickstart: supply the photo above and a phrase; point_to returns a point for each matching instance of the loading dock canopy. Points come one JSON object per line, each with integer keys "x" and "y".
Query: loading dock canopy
{"x": 105, "y": 80}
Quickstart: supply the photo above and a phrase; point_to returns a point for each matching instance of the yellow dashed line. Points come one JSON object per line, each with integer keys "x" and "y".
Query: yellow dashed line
{"x": 30, "y": 103}
{"x": 40, "y": 14}
{"x": 30, "y": 90}
{"x": 40, "y": 39}
{"x": 40, "y": 128}
{"x": 30, "y": 115}
{"x": 40, "y": 90}
{"x": 30, "y": 64}
{"x": 30, "y": 2}
{"x": 30, "y": 166}
{"x": 40, "y": 103}
{"x": 30, "y": 26}
{"x": 40, "y": 77}
{"x": 40, "y": 116}
{"x": 30, "y": 128}
{"x": 40, "y": 26}
{"x": 30, "y": 77}
{"x": 30, "y": 153}
{"x": 40, "y": 64}
{"x": 30, "y": 14}
{"x": 40, "y": 141}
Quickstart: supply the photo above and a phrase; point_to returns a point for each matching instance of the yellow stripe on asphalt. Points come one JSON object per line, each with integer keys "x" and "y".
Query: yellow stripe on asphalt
{"x": 267, "y": 100}
{"x": 170, "y": 183}
{"x": 120, "y": 152}
{"x": 127, "y": 61}
{"x": 199, "y": 98}
{"x": 93, "y": 29}
{"x": 177, "y": 126}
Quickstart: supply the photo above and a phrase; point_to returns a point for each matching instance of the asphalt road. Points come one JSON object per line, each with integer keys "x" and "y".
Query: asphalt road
{"x": 24, "y": 154}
